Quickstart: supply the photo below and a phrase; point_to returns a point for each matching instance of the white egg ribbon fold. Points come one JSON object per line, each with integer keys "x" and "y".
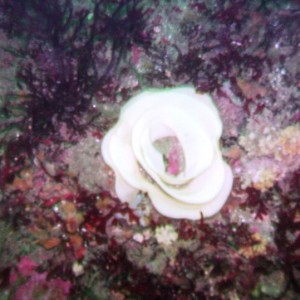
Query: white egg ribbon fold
{"x": 205, "y": 179}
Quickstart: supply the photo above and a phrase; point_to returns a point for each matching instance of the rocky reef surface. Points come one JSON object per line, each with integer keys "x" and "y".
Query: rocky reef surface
{"x": 66, "y": 69}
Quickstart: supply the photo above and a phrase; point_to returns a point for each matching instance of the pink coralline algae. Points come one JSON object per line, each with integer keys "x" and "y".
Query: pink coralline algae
{"x": 231, "y": 110}
{"x": 272, "y": 151}
{"x": 38, "y": 287}
{"x": 26, "y": 266}
{"x": 29, "y": 284}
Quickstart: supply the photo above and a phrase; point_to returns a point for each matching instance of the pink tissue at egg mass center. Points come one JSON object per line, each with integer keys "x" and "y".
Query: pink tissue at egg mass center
{"x": 172, "y": 152}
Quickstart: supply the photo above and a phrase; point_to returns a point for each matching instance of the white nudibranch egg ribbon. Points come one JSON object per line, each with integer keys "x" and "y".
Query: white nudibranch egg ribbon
{"x": 166, "y": 144}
